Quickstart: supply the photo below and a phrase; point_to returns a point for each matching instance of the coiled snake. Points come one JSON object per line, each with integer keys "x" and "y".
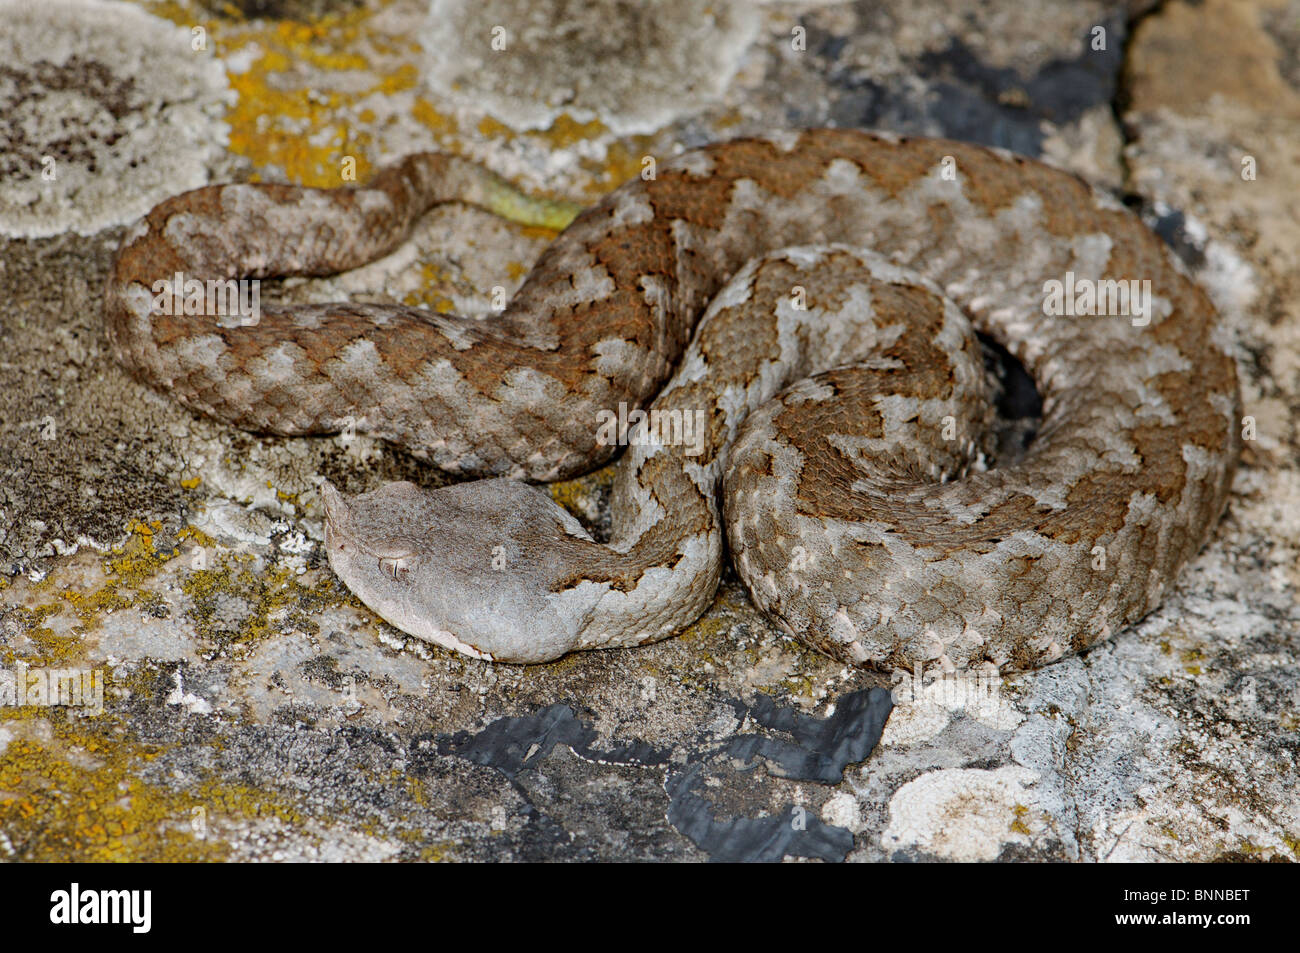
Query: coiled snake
{"x": 810, "y": 300}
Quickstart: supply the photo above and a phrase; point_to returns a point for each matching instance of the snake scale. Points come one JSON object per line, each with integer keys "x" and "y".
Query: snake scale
{"x": 810, "y": 300}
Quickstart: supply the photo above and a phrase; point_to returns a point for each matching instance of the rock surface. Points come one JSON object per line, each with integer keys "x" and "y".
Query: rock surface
{"x": 239, "y": 703}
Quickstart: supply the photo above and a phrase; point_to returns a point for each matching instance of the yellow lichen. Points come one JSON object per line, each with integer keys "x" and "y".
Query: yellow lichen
{"x": 128, "y": 568}
{"x": 1191, "y": 659}
{"x": 577, "y": 494}
{"x": 428, "y": 115}
{"x": 1018, "y": 825}
{"x": 439, "y": 853}
{"x": 71, "y": 790}
{"x": 273, "y": 597}
{"x": 77, "y": 797}
{"x": 285, "y": 116}
{"x": 433, "y": 278}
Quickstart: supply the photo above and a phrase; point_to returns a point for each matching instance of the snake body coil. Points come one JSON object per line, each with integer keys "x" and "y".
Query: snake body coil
{"x": 805, "y": 308}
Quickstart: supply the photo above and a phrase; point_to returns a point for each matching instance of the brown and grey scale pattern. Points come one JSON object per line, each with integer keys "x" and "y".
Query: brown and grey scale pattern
{"x": 850, "y": 436}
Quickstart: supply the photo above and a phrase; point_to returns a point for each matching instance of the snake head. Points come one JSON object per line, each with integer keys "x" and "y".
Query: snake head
{"x": 478, "y": 567}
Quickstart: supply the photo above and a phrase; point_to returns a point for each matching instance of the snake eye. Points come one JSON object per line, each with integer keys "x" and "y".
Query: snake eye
{"x": 395, "y": 566}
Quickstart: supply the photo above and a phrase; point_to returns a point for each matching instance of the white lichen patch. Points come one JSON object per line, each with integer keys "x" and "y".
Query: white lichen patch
{"x": 191, "y": 702}
{"x": 271, "y": 839}
{"x": 964, "y": 814}
{"x": 104, "y": 112}
{"x": 842, "y": 810}
{"x": 921, "y": 713}
{"x": 634, "y": 67}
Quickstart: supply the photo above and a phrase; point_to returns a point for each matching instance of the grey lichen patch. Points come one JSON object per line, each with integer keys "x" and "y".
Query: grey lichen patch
{"x": 241, "y": 601}
{"x": 84, "y": 449}
{"x": 1175, "y": 738}
{"x": 104, "y": 111}
{"x": 1036, "y": 78}
{"x": 633, "y": 66}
